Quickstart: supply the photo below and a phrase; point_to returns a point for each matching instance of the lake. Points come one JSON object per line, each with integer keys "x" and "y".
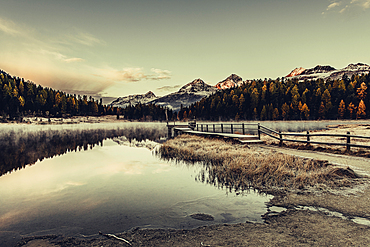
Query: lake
{"x": 111, "y": 188}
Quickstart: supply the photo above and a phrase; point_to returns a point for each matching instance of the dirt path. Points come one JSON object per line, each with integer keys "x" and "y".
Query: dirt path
{"x": 358, "y": 164}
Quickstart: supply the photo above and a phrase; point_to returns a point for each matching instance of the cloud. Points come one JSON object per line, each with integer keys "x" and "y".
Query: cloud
{"x": 83, "y": 38}
{"x": 73, "y": 59}
{"x": 160, "y": 74}
{"x": 126, "y": 74}
{"x": 8, "y": 27}
{"x": 333, "y": 5}
{"x": 364, "y": 4}
{"x": 168, "y": 88}
{"x": 351, "y": 7}
{"x": 133, "y": 74}
{"x": 59, "y": 56}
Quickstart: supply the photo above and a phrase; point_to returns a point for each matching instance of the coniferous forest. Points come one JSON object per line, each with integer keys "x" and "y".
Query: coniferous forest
{"x": 287, "y": 99}
{"x": 21, "y": 98}
{"x": 280, "y": 99}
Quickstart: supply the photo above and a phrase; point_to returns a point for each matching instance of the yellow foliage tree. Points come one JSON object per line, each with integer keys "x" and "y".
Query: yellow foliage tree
{"x": 351, "y": 108}
{"x": 341, "y": 109}
{"x": 305, "y": 111}
{"x": 361, "y": 91}
{"x": 361, "y": 110}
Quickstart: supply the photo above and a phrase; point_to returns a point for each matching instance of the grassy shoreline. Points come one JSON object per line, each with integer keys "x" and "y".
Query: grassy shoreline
{"x": 240, "y": 167}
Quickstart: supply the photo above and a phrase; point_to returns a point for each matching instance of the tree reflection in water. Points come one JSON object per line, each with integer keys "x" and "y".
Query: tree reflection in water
{"x": 212, "y": 173}
{"x": 17, "y": 150}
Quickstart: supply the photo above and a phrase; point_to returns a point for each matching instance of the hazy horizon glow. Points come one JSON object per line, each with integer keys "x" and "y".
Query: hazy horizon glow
{"x": 117, "y": 48}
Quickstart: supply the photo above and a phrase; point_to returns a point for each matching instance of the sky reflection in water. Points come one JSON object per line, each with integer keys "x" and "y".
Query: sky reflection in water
{"x": 112, "y": 189}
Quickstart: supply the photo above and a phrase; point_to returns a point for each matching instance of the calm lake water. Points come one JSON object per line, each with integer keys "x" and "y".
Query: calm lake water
{"x": 113, "y": 188}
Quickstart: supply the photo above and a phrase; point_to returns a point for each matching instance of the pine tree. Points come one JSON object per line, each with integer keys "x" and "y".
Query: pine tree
{"x": 263, "y": 113}
{"x": 305, "y": 111}
{"x": 361, "y": 91}
{"x": 275, "y": 114}
{"x": 322, "y": 111}
{"x": 341, "y": 109}
{"x": 361, "y": 110}
{"x": 285, "y": 111}
{"x": 351, "y": 108}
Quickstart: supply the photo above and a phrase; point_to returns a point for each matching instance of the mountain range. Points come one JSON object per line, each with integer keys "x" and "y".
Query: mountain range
{"x": 198, "y": 89}
{"x": 328, "y": 72}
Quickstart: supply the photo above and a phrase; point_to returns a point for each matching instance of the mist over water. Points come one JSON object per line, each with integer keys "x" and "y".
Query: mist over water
{"x": 21, "y": 145}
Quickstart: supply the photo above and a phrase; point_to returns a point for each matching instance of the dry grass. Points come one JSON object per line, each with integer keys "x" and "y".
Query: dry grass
{"x": 239, "y": 168}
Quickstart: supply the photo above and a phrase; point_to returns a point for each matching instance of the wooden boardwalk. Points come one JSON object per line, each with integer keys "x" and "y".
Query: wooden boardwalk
{"x": 244, "y": 139}
{"x": 234, "y": 130}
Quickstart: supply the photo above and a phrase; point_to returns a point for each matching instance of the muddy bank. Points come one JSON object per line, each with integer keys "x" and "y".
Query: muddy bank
{"x": 291, "y": 228}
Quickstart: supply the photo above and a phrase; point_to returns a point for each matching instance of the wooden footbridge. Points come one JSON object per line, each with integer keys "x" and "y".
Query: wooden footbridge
{"x": 250, "y": 133}
{"x": 235, "y": 132}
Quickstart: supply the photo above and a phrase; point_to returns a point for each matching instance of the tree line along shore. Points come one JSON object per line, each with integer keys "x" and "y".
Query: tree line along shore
{"x": 279, "y": 99}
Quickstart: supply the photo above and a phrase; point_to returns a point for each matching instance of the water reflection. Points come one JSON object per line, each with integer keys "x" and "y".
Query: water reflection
{"x": 20, "y": 149}
{"x": 217, "y": 176}
{"x": 112, "y": 188}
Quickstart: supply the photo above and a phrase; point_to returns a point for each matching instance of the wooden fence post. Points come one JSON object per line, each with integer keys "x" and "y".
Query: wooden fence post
{"x": 197, "y": 127}
{"x": 308, "y": 138}
{"x": 201, "y": 127}
{"x": 231, "y": 129}
{"x": 258, "y": 131}
{"x": 214, "y": 129}
{"x": 222, "y": 128}
{"x": 169, "y": 133}
{"x": 243, "y": 128}
{"x": 348, "y": 142}
{"x": 207, "y": 127}
{"x": 281, "y": 139}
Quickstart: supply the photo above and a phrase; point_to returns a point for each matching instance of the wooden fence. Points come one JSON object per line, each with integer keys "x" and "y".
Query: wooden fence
{"x": 244, "y": 128}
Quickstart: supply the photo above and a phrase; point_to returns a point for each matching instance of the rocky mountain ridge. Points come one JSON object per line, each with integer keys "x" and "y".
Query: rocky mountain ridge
{"x": 232, "y": 81}
{"x": 133, "y": 99}
{"x": 328, "y": 72}
{"x": 198, "y": 89}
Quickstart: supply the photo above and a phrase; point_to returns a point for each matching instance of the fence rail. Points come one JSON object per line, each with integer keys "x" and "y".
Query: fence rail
{"x": 243, "y": 128}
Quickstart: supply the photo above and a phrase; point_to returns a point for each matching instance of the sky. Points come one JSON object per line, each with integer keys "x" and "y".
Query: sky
{"x": 114, "y": 48}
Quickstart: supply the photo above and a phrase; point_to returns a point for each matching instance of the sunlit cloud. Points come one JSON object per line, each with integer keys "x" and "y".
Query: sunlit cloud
{"x": 168, "y": 88}
{"x": 160, "y": 74}
{"x": 8, "y": 27}
{"x": 333, "y": 5}
{"x": 344, "y": 9}
{"x": 133, "y": 74}
{"x": 350, "y": 7}
{"x": 61, "y": 57}
{"x": 73, "y": 59}
{"x": 83, "y": 38}
{"x": 125, "y": 74}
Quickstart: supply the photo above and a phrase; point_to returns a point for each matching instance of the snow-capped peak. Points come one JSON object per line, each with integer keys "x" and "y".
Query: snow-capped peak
{"x": 329, "y": 72}
{"x": 358, "y": 66}
{"x": 134, "y": 99}
{"x": 232, "y": 81}
{"x": 198, "y": 85}
{"x": 296, "y": 71}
